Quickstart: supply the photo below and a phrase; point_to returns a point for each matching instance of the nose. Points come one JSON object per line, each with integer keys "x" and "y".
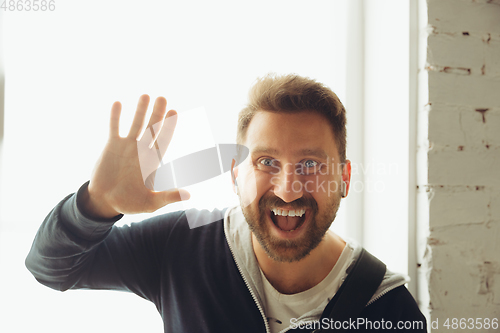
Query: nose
{"x": 287, "y": 184}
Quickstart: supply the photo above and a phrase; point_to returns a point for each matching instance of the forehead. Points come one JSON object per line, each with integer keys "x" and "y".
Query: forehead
{"x": 286, "y": 133}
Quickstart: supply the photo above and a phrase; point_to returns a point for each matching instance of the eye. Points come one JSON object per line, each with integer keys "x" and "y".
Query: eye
{"x": 308, "y": 167}
{"x": 267, "y": 161}
{"x": 310, "y": 164}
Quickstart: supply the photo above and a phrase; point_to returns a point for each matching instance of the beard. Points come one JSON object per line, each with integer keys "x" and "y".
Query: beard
{"x": 287, "y": 250}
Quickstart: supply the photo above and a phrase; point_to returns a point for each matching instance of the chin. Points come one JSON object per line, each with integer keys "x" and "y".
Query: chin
{"x": 289, "y": 245}
{"x": 287, "y": 248}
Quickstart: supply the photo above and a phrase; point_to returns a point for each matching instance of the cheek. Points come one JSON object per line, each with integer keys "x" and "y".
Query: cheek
{"x": 256, "y": 185}
{"x": 247, "y": 187}
{"x": 263, "y": 181}
{"x": 321, "y": 187}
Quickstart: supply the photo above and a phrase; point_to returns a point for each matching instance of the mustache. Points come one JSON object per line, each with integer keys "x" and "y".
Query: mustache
{"x": 274, "y": 201}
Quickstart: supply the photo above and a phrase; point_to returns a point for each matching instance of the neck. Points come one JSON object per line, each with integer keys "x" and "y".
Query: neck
{"x": 298, "y": 276}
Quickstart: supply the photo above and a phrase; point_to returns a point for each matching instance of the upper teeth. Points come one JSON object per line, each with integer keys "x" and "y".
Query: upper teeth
{"x": 283, "y": 212}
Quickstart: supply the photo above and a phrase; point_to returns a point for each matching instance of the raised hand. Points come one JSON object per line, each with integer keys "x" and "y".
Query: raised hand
{"x": 117, "y": 182}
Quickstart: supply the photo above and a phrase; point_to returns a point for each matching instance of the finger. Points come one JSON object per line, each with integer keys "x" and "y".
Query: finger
{"x": 166, "y": 132}
{"x": 140, "y": 114}
{"x": 114, "y": 122}
{"x": 164, "y": 198}
{"x": 156, "y": 120}
{"x": 159, "y": 111}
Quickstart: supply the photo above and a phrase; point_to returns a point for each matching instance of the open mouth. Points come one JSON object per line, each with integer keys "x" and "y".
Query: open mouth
{"x": 288, "y": 220}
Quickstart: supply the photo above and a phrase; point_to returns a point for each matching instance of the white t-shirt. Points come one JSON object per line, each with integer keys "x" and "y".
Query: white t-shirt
{"x": 281, "y": 308}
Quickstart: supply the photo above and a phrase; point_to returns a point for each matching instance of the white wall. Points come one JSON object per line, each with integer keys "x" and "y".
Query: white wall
{"x": 462, "y": 151}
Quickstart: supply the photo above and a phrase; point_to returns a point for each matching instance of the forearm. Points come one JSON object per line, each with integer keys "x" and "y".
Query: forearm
{"x": 64, "y": 243}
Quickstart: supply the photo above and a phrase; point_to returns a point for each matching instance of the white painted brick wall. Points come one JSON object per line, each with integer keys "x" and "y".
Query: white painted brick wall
{"x": 480, "y": 91}
{"x": 456, "y": 16}
{"x": 461, "y": 205}
{"x": 463, "y": 128}
{"x": 462, "y": 262}
{"x": 491, "y": 58}
{"x": 464, "y": 168}
{"x": 443, "y": 49}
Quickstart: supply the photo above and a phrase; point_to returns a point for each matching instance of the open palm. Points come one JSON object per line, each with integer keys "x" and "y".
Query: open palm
{"x": 117, "y": 184}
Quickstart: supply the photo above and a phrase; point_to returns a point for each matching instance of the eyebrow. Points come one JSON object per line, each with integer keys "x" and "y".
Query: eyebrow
{"x": 320, "y": 153}
{"x": 265, "y": 150}
{"x": 314, "y": 152}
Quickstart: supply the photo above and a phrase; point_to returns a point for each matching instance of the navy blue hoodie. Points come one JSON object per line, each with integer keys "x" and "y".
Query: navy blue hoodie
{"x": 198, "y": 278}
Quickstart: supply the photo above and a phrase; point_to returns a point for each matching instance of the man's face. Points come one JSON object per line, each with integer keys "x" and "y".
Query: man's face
{"x": 290, "y": 183}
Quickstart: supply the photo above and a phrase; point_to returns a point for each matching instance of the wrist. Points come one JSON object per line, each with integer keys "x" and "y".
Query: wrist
{"x": 94, "y": 207}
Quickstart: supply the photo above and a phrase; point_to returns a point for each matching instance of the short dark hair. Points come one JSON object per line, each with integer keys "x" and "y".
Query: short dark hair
{"x": 294, "y": 93}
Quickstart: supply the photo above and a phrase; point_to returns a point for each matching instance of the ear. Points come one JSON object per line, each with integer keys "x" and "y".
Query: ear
{"x": 234, "y": 175}
{"x": 346, "y": 176}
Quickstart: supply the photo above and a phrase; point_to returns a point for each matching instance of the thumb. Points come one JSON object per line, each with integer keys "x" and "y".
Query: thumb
{"x": 164, "y": 198}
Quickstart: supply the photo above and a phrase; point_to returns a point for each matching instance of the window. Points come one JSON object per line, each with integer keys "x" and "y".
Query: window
{"x": 65, "y": 68}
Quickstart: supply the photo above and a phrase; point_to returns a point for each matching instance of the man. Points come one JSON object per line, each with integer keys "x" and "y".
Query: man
{"x": 264, "y": 266}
